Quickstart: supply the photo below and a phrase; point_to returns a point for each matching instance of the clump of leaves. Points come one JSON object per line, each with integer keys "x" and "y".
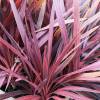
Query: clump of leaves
{"x": 50, "y": 49}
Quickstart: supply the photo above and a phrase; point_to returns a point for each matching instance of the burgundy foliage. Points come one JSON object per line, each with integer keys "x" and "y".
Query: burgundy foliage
{"x": 50, "y": 49}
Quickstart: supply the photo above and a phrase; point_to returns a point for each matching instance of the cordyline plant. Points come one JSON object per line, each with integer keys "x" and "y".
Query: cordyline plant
{"x": 50, "y": 49}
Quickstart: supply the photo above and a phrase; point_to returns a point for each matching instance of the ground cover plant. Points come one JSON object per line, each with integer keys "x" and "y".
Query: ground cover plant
{"x": 50, "y": 49}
